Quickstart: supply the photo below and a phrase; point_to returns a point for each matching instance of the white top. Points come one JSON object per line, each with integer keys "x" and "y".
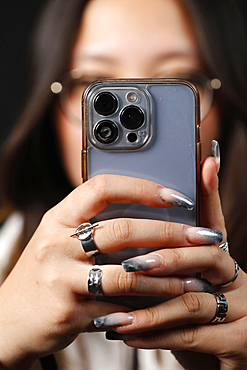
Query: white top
{"x": 90, "y": 351}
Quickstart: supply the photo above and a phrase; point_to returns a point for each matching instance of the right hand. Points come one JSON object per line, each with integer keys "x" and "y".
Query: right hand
{"x": 44, "y": 302}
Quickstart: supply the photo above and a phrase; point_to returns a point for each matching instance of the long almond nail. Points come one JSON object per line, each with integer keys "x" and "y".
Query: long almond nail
{"x": 114, "y": 319}
{"x": 192, "y": 284}
{"x": 142, "y": 263}
{"x": 176, "y": 199}
{"x": 215, "y": 152}
{"x": 203, "y": 235}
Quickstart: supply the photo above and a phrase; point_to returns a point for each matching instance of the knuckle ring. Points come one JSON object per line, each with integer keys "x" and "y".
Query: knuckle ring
{"x": 221, "y": 310}
{"x": 224, "y": 246}
{"x": 237, "y": 269}
{"x": 94, "y": 281}
{"x": 84, "y": 233}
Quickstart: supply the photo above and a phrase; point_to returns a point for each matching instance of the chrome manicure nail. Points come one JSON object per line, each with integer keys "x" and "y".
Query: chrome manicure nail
{"x": 176, "y": 199}
{"x": 142, "y": 263}
{"x": 191, "y": 284}
{"x": 114, "y": 319}
{"x": 215, "y": 152}
{"x": 112, "y": 335}
{"x": 203, "y": 234}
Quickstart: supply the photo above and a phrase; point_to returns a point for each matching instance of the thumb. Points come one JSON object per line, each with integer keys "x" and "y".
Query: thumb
{"x": 211, "y": 211}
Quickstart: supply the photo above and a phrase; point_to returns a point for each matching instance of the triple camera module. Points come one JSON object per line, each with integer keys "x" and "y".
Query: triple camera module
{"x": 127, "y": 121}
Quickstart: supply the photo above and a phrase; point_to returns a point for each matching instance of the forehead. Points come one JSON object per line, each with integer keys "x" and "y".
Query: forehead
{"x": 134, "y": 27}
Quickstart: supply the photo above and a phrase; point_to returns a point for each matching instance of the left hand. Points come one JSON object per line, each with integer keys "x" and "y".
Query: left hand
{"x": 183, "y": 323}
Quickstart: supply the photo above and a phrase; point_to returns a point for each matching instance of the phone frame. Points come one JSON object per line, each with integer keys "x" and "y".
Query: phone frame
{"x": 84, "y": 152}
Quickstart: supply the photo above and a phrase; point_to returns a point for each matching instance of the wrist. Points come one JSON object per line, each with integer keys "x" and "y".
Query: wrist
{"x": 12, "y": 355}
{"x": 15, "y": 364}
{"x": 15, "y": 360}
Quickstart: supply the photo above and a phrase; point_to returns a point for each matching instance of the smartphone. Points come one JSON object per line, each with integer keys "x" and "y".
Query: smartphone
{"x": 145, "y": 128}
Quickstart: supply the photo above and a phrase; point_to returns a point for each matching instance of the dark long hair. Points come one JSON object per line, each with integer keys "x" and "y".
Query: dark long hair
{"x": 32, "y": 177}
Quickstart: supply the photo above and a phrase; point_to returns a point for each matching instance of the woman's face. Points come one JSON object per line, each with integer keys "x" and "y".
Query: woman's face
{"x": 132, "y": 38}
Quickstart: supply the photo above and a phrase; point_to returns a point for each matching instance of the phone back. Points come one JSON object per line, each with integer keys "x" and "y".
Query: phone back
{"x": 166, "y": 148}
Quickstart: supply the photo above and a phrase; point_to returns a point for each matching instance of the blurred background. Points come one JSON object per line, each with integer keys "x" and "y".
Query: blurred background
{"x": 16, "y": 22}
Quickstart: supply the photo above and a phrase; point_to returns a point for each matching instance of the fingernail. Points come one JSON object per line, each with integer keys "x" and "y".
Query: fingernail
{"x": 192, "y": 284}
{"x": 176, "y": 199}
{"x": 142, "y": 263}
{"x": 114, "y": 319}
{"x": 215, "y": 152}
{"x": 112, "y": 335}
{"x": 202, "y": 234}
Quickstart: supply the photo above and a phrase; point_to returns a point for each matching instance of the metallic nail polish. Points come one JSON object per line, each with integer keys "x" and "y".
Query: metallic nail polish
{"x": 142, "y": 263}
{"x": 192, "y": 284}
{"x": 112, "y": 335}
{"x": 202, "y": 234}
{"x": 176, "y": 199}
{"x": 114, "y": 319}
{"x": 215, "y": 152}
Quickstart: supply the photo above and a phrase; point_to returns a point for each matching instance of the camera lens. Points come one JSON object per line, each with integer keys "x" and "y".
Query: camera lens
{"x": 132, "y": 117}
{"x": 105, "y": 103}
{"x": 106, "y": 132}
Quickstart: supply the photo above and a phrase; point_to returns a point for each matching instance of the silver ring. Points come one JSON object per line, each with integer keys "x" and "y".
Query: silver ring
{"x": 237, "y": 269}
{"x": 84, "y": 233}
{"x": 94, "y": 281}
{"x": 221, "y": 310}
{"x": 224, "y": 246}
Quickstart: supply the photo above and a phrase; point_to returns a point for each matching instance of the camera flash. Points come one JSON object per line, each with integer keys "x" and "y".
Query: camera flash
{"x": 131, "y": 97}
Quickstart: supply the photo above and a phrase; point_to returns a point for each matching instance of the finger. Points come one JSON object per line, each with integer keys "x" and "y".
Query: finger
{"x": 92, "y": 197}
{"x": 211, "y": 211}
{"x": 215, "y": 339}
{"x": 116, "y": 282}
{"x": 215, "y": 265}
{"x": 188, "y": 309}
{"x": 117, "y": 234}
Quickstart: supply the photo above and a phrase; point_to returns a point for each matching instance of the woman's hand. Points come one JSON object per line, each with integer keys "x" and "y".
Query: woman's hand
{"x": 44, "y": 302}
{"x": 183, "y": 323}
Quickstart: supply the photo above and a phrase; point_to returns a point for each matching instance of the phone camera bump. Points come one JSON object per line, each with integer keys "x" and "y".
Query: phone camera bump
{"x": 132, "y": 117}
{"x": 105, "y": 103}
{"x": 106, "y": 132}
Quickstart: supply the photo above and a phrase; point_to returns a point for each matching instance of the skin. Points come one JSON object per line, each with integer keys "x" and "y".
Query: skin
{"x": 57, "y": 306}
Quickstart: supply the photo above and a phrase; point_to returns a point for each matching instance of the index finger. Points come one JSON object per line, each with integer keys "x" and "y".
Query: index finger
{"x": 90, "y": 198}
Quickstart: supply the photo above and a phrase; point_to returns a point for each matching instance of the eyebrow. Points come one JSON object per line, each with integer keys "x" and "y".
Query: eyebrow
{"x": 188, "y": 54}
{"x": 96, "y": 57}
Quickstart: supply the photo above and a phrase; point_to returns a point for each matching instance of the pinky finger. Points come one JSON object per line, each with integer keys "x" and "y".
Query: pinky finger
{"x": 211, "y": 339}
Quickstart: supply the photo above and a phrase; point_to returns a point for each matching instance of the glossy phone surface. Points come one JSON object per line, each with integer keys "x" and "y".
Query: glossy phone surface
{"x": 147, "y": 129}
